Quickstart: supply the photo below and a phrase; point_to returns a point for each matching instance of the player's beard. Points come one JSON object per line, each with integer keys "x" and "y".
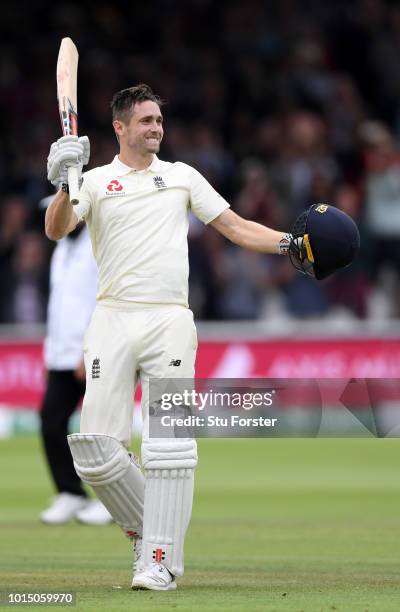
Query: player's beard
{"x": 152, "y": 147}
{"x": 143, "y": 147}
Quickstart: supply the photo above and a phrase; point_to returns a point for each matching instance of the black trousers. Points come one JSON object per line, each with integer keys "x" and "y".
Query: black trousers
{"x": 61, "y": 398}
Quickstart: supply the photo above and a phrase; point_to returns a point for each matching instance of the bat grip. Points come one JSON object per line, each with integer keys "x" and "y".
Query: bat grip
{"x": 73, "y": 184}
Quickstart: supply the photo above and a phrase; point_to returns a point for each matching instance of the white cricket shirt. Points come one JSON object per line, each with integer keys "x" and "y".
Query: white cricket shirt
{"x": 73, "y": 287}
{"x": 138, "y": 223}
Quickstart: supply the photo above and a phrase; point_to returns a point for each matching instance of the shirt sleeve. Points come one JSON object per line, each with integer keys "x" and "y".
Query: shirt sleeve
{"x": 83, "y": 209}
{"x": 205, "y": 202}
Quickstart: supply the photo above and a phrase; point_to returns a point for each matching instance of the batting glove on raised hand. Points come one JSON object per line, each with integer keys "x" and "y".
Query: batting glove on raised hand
{"x": 68, "y": 151}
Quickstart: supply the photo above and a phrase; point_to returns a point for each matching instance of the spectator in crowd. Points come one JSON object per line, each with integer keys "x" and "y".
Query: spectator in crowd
{"x": 243, "y": 277}
{"x": 350, "y": 288}
{"x": 382, "y": 212}
{"x": 25, "y": 282}
{"x": 13, "y": 221}
{"x": 382, "y": 193}
{"x": 304, "y": 156}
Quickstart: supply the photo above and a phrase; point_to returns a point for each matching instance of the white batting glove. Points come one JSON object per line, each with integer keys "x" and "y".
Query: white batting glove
{"x": 68, "y": 151}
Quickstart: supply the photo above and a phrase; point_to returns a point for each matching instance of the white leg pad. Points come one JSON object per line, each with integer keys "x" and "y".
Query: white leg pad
{"x": 169, "y": 472}
{"x": 104, "y": 463}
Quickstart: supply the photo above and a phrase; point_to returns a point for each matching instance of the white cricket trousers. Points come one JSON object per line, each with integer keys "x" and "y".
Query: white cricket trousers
{"x": 124, "y": 346}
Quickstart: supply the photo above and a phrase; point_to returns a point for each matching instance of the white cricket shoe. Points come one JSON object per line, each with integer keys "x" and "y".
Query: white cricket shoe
{"x": 154, "y": 577}
{"x": 63, "y": 509}
{"x": 94, "y": 513}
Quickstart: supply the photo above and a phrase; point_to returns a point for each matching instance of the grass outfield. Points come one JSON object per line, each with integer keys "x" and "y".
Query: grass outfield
{"x": 277, "y": 525}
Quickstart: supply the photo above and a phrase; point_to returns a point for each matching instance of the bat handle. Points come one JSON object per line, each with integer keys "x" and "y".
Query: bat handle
{"x": 73, "y": 184}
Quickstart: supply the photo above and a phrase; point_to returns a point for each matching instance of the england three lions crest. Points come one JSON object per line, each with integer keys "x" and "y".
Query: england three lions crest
{"x": 159, "y": 182}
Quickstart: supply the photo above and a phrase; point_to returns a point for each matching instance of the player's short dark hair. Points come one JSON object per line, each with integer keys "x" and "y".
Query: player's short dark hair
{"x": 124, "y": 101}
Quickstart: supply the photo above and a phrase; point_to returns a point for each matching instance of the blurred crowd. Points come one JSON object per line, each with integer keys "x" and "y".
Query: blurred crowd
{"x": 280, "y": 104}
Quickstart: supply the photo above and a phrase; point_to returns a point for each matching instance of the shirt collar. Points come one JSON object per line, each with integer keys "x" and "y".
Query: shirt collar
{"x": 122, "y": 169}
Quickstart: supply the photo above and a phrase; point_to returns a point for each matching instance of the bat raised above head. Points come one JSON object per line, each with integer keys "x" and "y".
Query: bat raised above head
{"x": 67, "y": 73}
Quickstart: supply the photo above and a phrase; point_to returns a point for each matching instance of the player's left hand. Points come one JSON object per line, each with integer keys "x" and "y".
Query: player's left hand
{"x": 299, "y": 256}
{"x": 294, "y": 245}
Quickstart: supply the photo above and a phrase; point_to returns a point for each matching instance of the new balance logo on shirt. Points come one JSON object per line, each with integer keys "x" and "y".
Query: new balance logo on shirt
{"x": 175, "y": 362}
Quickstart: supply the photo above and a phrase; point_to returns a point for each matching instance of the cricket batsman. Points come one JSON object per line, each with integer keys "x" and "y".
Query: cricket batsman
{"x": 136, "y": 209}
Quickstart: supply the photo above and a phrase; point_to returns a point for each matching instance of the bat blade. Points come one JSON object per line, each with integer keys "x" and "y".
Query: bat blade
{"x": 67, "y": 76}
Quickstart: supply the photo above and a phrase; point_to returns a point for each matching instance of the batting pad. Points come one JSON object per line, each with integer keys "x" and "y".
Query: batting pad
{"x": 169, "y": 472}
{"x": 104, "y": 463}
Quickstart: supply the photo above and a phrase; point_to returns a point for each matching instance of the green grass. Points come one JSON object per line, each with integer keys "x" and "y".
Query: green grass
{"x": 285, "y": 525}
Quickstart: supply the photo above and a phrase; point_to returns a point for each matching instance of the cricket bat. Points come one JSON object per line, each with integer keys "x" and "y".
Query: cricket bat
{"x": 67, "y": 73}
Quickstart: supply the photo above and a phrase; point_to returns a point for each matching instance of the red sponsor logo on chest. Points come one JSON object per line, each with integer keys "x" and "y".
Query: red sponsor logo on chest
{"x": 114, "y": 186}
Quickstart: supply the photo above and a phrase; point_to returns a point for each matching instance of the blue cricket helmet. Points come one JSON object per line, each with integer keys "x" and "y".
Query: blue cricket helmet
{"x": 324, "y": 239}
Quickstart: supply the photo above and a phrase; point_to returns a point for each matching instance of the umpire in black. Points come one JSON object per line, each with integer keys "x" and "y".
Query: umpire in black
{"x": 73, "y": 286}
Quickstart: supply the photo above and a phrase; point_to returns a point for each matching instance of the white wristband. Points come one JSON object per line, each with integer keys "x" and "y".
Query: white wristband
{"x": 284, "y": 244}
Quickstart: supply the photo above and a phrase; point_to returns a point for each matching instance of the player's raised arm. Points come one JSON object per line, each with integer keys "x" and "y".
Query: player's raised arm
{"x": 251, "y": 235}
{"x": 60, "y": 217}
{"x": 322, "y": 240}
